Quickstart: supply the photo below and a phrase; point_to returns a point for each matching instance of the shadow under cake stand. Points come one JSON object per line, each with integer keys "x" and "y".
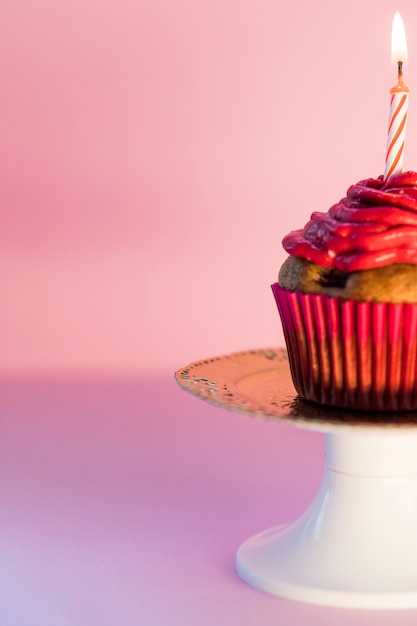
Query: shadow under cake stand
{"x": 356, "y": 545}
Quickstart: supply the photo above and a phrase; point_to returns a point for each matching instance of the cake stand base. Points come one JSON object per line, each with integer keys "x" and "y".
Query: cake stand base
{"x": 356, "y": 545}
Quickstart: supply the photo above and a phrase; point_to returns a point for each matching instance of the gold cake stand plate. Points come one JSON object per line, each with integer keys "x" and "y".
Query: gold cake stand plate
{"x": 258, "y": 383}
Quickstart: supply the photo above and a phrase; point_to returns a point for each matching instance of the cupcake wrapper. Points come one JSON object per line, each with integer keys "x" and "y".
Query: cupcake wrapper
{"x": 351, "y": 354}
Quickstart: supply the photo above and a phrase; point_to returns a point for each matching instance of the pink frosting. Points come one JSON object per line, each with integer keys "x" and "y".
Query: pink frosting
{"x": 375, "y": 225}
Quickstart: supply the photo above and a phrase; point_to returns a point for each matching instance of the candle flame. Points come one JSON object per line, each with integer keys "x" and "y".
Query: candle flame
{"x": 398, "y": 40}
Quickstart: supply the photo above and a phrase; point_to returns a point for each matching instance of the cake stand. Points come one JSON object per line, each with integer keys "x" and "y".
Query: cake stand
{"x": 356, "y": 545}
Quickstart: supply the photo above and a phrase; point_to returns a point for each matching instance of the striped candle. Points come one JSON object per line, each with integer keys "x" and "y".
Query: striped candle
{"x": 396, "y": 128}
{"x": 399, "y": 103}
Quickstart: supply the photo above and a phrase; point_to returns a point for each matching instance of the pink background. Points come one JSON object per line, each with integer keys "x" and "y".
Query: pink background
{"x": 154, "y": 153}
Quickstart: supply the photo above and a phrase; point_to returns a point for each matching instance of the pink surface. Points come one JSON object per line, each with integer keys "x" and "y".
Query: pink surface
{"x": 124, "y": 503}
{"x": 155, "y": 153}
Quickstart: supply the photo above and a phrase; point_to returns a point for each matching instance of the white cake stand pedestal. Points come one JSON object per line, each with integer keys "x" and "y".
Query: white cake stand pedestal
{"x": 356, "y": 545}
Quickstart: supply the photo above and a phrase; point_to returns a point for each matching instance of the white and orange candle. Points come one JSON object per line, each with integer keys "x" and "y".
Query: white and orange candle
{"x": 399, "y": 103}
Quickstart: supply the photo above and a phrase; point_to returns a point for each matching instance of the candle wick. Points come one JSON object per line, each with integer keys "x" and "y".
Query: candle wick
{"x": 400, "y": 70}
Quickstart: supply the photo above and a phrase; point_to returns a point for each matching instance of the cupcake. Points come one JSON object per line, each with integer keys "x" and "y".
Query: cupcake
{"x": 347, "y": 297}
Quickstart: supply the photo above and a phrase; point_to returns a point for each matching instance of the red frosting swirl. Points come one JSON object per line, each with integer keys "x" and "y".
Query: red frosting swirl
{"x": 375, "y": 225}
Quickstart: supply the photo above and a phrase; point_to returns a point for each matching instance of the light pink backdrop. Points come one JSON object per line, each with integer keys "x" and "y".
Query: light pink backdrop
{"x": 154, "y": 153}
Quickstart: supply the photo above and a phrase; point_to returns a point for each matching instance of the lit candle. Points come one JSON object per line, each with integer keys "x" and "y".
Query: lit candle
{"x": 399, "y": 103}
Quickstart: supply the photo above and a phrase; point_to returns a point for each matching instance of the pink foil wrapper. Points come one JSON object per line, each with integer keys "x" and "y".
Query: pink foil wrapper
{"x": 351, "y": 354}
